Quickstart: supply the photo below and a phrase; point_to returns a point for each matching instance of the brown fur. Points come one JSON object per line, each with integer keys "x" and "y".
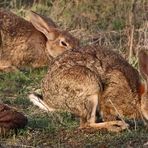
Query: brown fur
{"x": 23, "y": 46}
{"x": 84, "y": 77}
{"x": 143, "y": 67}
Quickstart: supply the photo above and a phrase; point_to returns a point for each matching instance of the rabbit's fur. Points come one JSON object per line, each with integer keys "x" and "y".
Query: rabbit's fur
{"x": 143, "y": 67}
{"x": 25, "y": 44}
{"x": 91, "y": 80}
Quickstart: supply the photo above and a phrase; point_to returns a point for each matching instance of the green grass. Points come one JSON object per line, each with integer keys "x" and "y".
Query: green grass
{"x": 58, "y": 129}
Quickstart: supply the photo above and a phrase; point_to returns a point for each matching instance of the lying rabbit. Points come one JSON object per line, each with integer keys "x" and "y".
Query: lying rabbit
{"x": 25, "y": 44}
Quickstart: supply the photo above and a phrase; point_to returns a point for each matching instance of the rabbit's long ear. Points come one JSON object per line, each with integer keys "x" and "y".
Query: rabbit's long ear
{"x": 41, "y": 24}
{"x": 143, "y": 64}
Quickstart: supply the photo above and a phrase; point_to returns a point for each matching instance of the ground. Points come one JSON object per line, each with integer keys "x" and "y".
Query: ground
{"x": 56, "y": 129}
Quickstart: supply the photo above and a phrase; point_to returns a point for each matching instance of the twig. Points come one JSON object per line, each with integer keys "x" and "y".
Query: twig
{"x": 118, "y": 114}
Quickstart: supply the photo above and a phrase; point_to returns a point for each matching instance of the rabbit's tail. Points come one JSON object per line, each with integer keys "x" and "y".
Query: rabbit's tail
{"x": 37, "y": 100}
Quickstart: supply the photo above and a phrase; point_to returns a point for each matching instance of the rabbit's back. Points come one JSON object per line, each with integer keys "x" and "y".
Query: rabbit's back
{"x": 13, "y": 25}
{"x": 65, "y": 88}
{"x": 80, "y": 73}
{"x": 21, "y": 43}
{"x": 99, "y": 60}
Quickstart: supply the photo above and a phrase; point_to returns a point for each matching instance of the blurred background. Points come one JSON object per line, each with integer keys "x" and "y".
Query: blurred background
{"x": 118, "y": 24}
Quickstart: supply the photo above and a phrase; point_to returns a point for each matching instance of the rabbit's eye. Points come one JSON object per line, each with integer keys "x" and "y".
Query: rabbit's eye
{"x": 63, "y": 43}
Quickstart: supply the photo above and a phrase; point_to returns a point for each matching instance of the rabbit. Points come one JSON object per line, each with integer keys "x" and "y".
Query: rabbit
{"x": 143, "y": 68}
{"x": 11, "y": 119}
{"x": 30, "y": 44}
{"x": 93, "y": 82}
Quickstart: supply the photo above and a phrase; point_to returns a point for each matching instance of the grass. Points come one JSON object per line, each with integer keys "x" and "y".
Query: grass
{"x": 58, "y": 129}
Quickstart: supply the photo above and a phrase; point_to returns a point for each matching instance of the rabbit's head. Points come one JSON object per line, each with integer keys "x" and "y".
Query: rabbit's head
{"x": 58, "y": 41}
{"x": 143, "y": 67}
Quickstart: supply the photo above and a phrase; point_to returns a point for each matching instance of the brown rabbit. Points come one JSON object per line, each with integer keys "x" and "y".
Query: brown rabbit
{"x": 24, "y": 44}
{"x": 92, "y": 80}
{"x": 11, "y": 119}
{"x": 143, "y": 67}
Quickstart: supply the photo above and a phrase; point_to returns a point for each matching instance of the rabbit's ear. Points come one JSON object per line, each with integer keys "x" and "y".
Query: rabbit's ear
{"x": 41, "y": 25}
{"x": 143, "y": 64}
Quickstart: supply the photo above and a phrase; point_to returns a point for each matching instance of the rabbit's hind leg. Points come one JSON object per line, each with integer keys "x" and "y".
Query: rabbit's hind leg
{"x": 89, "y": 115}
{"x": 89, "y": 120}
{"x": 112, "y": 126}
